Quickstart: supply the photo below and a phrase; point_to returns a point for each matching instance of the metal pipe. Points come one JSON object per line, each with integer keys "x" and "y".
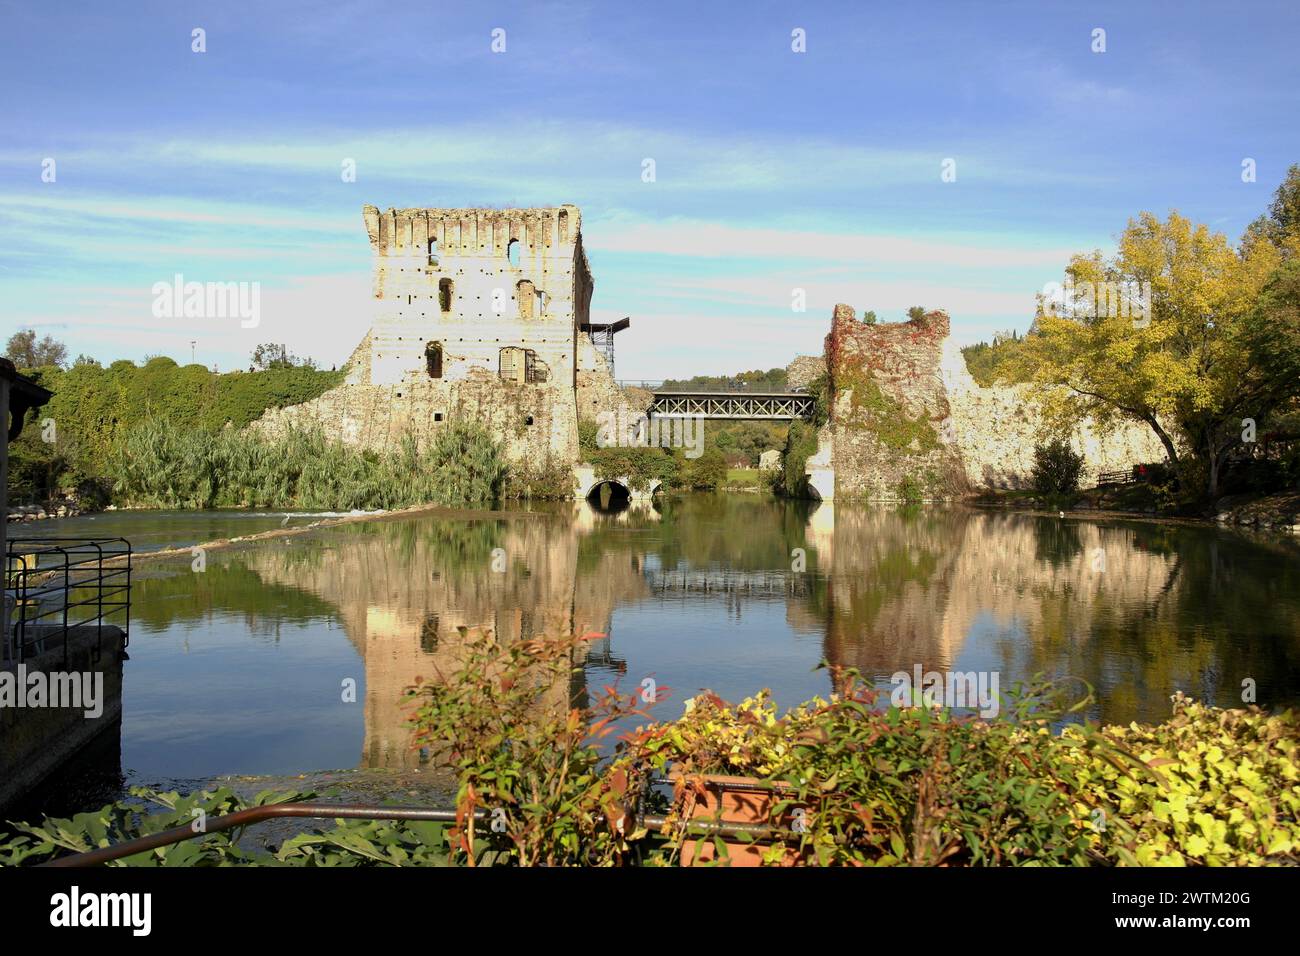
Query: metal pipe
{"x": 253, "y": 815}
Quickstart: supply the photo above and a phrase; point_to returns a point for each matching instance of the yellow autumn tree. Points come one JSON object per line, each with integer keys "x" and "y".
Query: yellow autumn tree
{"x": 1168, "y": 332}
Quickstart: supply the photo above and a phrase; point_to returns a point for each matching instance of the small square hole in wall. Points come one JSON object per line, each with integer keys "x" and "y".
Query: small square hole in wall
{"x": 437, "y": 416}
{"x": 528, "y": 419}
{"x": 399, "y": 394}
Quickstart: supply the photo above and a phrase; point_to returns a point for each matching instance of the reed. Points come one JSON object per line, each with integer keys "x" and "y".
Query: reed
{"x": 163, "y": 465}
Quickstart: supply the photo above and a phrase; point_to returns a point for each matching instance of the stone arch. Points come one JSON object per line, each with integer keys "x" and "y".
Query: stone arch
{"x": 620, "y": 495}
{"x": 588, "y": 488}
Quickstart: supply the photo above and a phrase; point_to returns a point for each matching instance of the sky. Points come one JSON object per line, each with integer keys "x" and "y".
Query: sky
{"x": 774, "y": 170}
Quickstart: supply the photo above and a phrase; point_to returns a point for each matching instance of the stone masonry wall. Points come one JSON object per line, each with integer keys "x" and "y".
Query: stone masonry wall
{"x": 460, "y": 297}
{"x": 905, "y": 405}
{"x": 530, "y": 424}
{"x": 890, "y": 420}
{"x": 998, "y": 427}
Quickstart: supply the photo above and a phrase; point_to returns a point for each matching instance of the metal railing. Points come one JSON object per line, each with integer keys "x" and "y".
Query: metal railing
{"x": 737, "y": 405}
{"x": 649, "y": 822}
{"x": 732, "y": 386}
{"x": 1110, "y": 479}
{"x": 57, "y": 586}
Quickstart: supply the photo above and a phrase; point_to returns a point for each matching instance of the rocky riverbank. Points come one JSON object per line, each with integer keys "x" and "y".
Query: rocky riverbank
{"x": 1276, "y": 512}
{"x": 40, "y": 513}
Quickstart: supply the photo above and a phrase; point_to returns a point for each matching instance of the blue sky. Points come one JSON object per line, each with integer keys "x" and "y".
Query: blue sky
{"x": 775, "y": 170}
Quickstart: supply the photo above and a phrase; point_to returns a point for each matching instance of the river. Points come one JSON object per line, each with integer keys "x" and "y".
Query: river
{"x": 239, "y": 668}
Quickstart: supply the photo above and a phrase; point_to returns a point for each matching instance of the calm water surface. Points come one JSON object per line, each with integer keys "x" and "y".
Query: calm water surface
{"x": 239, "y": 669}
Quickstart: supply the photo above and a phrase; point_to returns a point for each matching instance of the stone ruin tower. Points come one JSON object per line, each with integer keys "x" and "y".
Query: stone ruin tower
{"x": 499, "y": 290}
{"x": 479, "y": 314}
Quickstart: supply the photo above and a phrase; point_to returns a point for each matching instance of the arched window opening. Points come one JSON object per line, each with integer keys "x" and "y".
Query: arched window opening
{"x": 433, "y": 252}
{"x": 512, "y": 252}
{"x": 433, "y": 359}
{"x": 445, "y": 290}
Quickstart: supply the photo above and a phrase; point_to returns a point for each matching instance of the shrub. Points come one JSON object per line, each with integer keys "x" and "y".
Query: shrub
{"x": 880, "y": 785}
{"x": 909, "y": 490}
{"x": 925, "y": 787}
{"x": 96, "y": 407}
{"x": 588, "y": 437}
{"x": 525, "y": 754}
{"x": 707, "y": 472}
{"x": 800, "y": 445}
{"x": 1057, "y": 468}
{"x": 638, "y": 464}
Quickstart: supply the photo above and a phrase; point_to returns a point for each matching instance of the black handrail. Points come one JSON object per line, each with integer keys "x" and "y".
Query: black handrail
{"x": 88, "y": 580}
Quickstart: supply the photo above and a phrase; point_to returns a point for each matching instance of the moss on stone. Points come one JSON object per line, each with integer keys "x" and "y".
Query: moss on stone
{"x": 885, "y": 418}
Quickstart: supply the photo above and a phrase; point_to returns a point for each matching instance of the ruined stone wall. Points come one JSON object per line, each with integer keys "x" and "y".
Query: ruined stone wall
{"x": 890, "y": 420}
{"x": 597, "y": 392}
{"x": 998, "y": 427}
{"x": 803, "y": 369}
{"x": 476, "y": 280}
{"x": 482, "y": 289}
{"x": 905, "y": 406}
{"x": 533, "y": 425}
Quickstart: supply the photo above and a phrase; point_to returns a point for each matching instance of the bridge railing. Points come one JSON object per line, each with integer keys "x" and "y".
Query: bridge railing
{"x": 687, "y": 388}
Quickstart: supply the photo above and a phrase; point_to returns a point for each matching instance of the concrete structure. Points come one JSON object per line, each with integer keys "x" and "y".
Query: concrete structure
{"x": 476, "y": 314}
{"x": 18, "y": 394}
{"x": 38, "y": 743}
{"x": 37, "y": 740}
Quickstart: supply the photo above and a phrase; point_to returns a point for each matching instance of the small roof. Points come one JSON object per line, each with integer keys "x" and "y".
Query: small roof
{"x": 24, "y": 395}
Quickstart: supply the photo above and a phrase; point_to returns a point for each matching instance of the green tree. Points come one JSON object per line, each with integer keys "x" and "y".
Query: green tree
{"x": 26, "y": 352}
{"x": 1057, "y": 468}
{"x": 1280, "y": 226}
{"x": 708, "y": 472}
{"x": 270, "y": 355}
{"x": 1201, "y": 359}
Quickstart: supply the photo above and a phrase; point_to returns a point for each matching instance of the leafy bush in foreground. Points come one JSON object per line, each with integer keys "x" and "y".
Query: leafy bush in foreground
{"x": 879, "y": 785}
{"x": 370, "y": 843}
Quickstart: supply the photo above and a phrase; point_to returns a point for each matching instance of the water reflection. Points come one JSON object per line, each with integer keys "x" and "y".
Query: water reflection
{"x": 239, "y": 669}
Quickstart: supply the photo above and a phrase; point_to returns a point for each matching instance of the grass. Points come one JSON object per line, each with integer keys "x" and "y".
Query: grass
{"x": 745, "y": 478}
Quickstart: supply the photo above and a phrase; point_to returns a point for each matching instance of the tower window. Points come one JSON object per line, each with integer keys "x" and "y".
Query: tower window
{"x": 433, "y": 359}
{"x": 445, "y": 290}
